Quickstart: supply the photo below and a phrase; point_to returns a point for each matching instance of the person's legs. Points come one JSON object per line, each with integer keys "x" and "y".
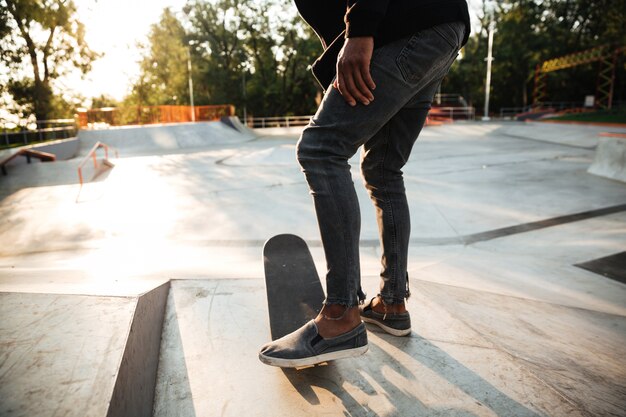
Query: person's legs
{"x": 382, "y": 160}
{"x": 406, "y": 73}
{"x": 401, "y": 71}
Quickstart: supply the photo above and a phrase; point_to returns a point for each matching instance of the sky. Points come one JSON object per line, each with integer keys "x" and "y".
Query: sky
{"x": 114, "y": 28}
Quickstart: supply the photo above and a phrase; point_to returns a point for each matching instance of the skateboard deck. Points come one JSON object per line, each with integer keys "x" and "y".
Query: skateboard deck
{"x": 294, "y": 291}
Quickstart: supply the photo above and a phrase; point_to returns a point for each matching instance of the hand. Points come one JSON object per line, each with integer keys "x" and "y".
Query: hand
{"x": 354, "y": 80}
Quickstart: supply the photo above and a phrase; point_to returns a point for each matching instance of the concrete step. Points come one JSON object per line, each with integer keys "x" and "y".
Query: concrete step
{"x": 470, "y": 353}
{"x": 79, "y": 355}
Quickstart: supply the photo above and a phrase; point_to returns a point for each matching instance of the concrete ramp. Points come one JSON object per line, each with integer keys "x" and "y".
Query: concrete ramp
{"x": 610, "y": 158}
{"x": 161, "y": 139}
{"x": 234, "y": 123}
{"x": 559, "y": 134}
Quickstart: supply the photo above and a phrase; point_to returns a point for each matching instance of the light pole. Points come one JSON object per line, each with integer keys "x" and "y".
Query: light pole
{"x": 492, "y": 28}
{"x": 193, "y": 112}
{"x": 245, "y": 99}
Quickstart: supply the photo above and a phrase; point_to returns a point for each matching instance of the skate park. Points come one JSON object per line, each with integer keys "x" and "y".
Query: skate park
{"x": 141, "y": 291}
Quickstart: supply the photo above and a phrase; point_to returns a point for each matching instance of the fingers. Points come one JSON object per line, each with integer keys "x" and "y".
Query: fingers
{"x": 352, "y": 85}
{"x": 354, "y": 80}
{"x": 363, "y": 92}
{"x": 367, "y": 77}
{"x": 345, "y": 87}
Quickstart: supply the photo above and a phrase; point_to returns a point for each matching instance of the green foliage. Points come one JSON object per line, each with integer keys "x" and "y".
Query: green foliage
{"x": 529, "y": 32}
{"x": 103, "y": 101}
{"x": 63, "y": 50}
{"x": 164, "y": 75}
{"x": 248, "y": 53}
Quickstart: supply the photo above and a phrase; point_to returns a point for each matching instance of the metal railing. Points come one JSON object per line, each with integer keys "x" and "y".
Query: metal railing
{"x": 94, "y": 157}
{"x": 453, "y": 113}
{"x": 450, "y": 100}
{"x": 510, "y": 112}
{"x": 44, "y": 130}
{"x": 449, "y": 112}
{"x": 280, "y": 121}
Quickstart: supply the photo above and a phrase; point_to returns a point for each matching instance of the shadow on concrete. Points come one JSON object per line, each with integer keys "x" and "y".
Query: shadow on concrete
{"x": 332, "y": 377}
{"x": 172, "y": 396}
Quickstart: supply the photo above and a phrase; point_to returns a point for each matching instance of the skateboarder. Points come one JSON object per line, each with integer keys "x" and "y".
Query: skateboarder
{"x": 380, "y": 69}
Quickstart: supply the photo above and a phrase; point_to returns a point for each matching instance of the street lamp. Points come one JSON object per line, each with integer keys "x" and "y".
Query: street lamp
{"x": 193, "y": 112}
{"x": 245, "y": 96}
{"x": 492, "y": 28}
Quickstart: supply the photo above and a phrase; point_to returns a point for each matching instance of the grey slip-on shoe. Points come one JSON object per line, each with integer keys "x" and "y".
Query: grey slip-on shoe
{"x": 306, "y": 347}
{"x": 397, "y": 324}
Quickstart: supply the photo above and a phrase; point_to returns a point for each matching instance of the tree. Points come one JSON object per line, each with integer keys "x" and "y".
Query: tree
{"x": 529, "y": 32}
{"x": 46, "y": 36}
{"x": 243, "y": 52}
{"x": 280, "y": 51}
{"x": 263, "y": 47}
{"x": 103, "y": 100}
{"x": 219, "y": 58}
{"x": 163, "y": 68}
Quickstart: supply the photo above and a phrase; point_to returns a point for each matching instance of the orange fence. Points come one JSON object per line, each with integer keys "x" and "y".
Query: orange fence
{"x": 139, "y": 115}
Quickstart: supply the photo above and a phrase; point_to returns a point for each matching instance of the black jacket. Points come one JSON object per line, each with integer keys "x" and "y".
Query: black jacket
{"x": 385, "y": 20}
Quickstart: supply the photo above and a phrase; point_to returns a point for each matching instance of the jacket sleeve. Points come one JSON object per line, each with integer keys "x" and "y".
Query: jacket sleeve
{"x": 364, "y": 17}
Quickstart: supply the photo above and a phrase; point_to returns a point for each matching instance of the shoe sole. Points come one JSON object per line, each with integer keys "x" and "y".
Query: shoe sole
{"x": 390, "y": 330}
{"x": 313, "y": 360}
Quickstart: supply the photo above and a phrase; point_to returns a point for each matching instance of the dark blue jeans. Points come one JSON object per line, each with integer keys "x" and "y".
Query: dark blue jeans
{"x": 407, "y": 74}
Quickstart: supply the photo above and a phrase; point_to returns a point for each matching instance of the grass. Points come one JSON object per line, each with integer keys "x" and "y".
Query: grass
{"x": 602, "y": 116}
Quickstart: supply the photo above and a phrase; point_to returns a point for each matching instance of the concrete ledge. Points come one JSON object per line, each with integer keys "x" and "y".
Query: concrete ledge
{"x": 133, "y": 394}
{"x": 60, "y": 353}
{"x": 63, "y": 149}
{"x": 610, "y": 158}
{"x": 79, "y": 355}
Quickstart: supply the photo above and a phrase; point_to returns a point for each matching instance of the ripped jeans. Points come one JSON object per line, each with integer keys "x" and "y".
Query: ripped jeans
{"x": 407, "y": 73}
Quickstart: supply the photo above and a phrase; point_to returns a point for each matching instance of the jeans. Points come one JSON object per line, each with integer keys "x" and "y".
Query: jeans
{"x": 407, "y": 74}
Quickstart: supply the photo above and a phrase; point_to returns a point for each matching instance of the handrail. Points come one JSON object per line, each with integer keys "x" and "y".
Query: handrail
{"x": 28, "y": 153}
{"x": 92, "y": 155}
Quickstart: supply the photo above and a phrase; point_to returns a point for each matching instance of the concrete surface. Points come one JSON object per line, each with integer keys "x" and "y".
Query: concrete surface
{"x": 60, "y": 353}
{"x": 78, "y": 355}
{"x": 63, "y": 149}
{"x": 610, "y": 159}
{"x": 504, "y": 322}
{"x": 472, "y": 353}
{"x": 136, "y": 377}
{"x": 160, "y": 139}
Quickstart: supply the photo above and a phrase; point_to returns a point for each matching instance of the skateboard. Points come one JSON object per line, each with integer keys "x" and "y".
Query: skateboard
{"x": 294, "y": 291}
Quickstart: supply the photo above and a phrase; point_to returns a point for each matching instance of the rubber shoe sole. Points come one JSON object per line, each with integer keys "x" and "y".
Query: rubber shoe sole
{"x": 305, "y": 347}
{"x": 313, "y": 360}
{"x": 390, "y": 330}
{"x": 397, "y": 324}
